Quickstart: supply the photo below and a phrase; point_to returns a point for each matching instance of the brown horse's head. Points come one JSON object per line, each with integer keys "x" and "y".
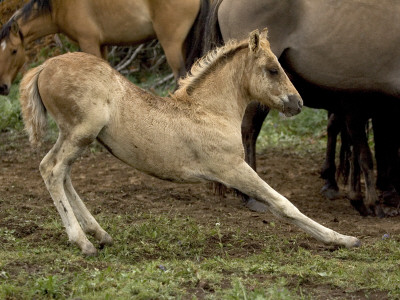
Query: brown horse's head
{"x": 12, "y": 55}
{"x": 268, "y": 82}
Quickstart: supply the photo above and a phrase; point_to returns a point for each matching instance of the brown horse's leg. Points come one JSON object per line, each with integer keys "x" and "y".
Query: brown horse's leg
{"x": 356, "y": 128}
{"x": 172, "y": 23}
{"x": 331, "y": 190}
{"x": 85, "y": 218}
{"x": 253, "y": 119}
{"x": 54, "y": 168}
{"x": 92, "y": 47}
{"x": 387, "y": 154}
{"x": 246, "y": 180}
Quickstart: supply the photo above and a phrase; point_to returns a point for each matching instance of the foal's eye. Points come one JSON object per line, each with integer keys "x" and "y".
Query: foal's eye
{"x": 14, "y": 51}
{"x": 273, "y": 71}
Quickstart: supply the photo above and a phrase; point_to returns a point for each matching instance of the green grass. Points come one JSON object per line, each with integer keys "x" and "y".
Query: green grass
{"x": 301, "y": 131}
{"x": 10, "y": 116}
{"x": 173, "y": 257}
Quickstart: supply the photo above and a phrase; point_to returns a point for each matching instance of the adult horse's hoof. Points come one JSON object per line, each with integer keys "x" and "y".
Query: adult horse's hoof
{"x": 255, "y": 205}
{"x": 330, "y": 192}
{"x": 359, "y": 206}
{"x": 378, "y": 211}
{"x": 391, "y": 198}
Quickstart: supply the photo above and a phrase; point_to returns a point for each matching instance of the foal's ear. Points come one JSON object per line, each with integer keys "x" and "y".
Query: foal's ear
{"x": 264, "y": 33}
{"x": 254, "y": 40}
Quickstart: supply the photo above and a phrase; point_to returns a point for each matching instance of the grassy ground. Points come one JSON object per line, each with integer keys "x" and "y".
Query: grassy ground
{"x": 165, "y": 258}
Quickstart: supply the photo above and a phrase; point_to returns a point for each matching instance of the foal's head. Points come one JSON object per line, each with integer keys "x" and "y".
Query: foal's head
{"x": 12, "y": 55}
{"x": 268, "y": 82}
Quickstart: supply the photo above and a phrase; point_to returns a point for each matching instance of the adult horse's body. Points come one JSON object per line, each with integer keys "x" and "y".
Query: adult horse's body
{"x": 94, "y": 24}
{"x": 89, "y": 100}
{"x": 341, "y": 56}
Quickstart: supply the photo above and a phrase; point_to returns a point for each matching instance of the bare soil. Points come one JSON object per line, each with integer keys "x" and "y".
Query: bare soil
{"x": 110, "y": 186}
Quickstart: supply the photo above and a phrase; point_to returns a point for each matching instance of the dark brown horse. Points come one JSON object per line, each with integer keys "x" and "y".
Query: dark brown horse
{"x": 94, "y": 24}
{"x": 339, "y": 55}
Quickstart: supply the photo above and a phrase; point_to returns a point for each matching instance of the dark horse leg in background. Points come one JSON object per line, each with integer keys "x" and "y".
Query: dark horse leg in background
{"x": 335, "y": 126}
{"x": 387, "y": 152}
{"x": 362, "y": 158}
{"x": 251, "y": 125}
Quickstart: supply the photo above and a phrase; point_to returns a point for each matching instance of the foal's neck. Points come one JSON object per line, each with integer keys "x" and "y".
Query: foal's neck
{"x": 223, "y": 91}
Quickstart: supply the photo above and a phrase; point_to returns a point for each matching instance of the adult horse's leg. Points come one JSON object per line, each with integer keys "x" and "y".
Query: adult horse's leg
{"x": 243, "y": 178}
{"x": 172, "y": 24}
{"x": 387, "y": 154}
{"x": 331, "y": 190}
{"x": 253, "y": 119}
{"x": 54, "y": 168}
{"x": 356, "y": 127}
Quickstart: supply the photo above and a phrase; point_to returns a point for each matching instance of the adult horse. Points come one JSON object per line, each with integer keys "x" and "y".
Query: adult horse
{"x": 96, "y": 24}
{"x": 341, "y": 56}
{"x": 89, "y": 100}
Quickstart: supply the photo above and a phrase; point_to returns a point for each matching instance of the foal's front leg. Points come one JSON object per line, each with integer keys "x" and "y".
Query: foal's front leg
{"x": 245, "y": 179}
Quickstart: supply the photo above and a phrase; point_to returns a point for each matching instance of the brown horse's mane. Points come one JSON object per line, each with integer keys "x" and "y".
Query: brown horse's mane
{"x": 207, "y": 64}
{"x": 36, "y": 7}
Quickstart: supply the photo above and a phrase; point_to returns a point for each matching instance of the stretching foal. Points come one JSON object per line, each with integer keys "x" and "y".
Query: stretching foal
{"x": 192, "y": 136}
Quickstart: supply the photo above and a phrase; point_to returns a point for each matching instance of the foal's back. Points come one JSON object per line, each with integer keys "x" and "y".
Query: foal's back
{"x": 90, "y": 100}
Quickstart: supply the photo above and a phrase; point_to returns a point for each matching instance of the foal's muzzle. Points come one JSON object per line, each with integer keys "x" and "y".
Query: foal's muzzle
{"x": 292, "y": 106}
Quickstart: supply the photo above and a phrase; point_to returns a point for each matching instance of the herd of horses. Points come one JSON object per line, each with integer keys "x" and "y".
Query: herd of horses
{"x": 339, "y": 56}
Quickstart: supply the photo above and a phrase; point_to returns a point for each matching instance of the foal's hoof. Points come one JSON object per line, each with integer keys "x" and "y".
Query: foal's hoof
{"x": 89, "y": 250}
{"x": 330, "y": 192}
{"x": 353, "y": 243}
{"x": 106, "y": 240}
{"x": 255, "y": 205}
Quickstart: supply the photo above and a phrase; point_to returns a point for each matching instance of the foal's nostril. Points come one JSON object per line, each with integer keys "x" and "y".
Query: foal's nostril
{"x": 300, "y": 104}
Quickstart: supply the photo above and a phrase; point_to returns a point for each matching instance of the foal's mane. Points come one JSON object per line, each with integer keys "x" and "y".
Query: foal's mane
{"x": 36, "y": 7}
{"x": 208, "y": 63}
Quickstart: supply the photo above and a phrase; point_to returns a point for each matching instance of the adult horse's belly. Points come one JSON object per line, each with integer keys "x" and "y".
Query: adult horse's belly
{"x": 343, "y": 45}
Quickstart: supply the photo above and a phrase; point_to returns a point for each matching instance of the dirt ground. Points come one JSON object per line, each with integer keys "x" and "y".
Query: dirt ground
{"x": 109, "y": 186}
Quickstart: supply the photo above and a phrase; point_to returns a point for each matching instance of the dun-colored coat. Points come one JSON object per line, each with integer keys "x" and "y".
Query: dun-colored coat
{"x": 192, "y": 136}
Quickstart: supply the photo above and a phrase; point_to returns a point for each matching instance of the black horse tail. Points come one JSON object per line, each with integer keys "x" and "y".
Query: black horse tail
{"x": 194, "y": 39}
{"x": 212, "y": 34}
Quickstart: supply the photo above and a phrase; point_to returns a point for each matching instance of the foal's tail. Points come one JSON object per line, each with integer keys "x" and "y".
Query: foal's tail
{"x": 33, "y": 111}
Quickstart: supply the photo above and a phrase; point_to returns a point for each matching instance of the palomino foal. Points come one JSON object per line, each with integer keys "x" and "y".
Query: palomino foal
{"x": 191, "y": 136}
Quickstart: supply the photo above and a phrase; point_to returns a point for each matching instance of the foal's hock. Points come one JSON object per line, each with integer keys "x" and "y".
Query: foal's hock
{"x": 89, "y": 100}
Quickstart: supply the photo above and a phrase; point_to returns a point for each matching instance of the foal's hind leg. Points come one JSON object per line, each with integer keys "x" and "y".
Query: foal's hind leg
{"x": 85, "y": 218}
{"x": 246, "y": 180}
{"x": 54, "y": 169}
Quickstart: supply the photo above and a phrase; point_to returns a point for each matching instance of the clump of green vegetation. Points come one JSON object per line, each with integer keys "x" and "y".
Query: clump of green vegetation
{"x": 308, "y": 127}
{"x": 10, "y": 117}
